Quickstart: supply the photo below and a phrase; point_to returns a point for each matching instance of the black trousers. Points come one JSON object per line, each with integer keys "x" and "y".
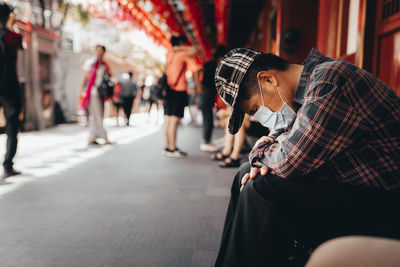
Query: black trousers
{"x": 207, "y": 100}
{"x": 12, "y": 108}
{"x": 127, "y": 103}
{"x": 271, "y": 216}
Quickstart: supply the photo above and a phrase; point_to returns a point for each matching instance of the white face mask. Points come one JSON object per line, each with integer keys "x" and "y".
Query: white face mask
{"x": 280, "y": 119}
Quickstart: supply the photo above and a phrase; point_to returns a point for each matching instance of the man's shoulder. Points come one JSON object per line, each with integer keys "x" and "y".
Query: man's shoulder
{"x": 334, "y": 71}
{"x": 325, "y": 77}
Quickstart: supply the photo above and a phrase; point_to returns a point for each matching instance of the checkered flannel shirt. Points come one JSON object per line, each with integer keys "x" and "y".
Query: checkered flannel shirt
{"x": 348, "y": 122}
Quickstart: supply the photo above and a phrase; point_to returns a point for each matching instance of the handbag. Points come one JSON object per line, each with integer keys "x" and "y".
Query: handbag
{"x": 106, "y": 88}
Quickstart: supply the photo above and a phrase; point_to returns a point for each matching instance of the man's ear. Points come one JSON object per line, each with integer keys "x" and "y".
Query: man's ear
{"x": 268, "y": 76}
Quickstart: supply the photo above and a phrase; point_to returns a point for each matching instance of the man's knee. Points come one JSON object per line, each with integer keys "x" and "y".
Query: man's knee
{"x": 174, "y": 120}
{"x": 243, "y": 169}
{"x": 268, "y": 186}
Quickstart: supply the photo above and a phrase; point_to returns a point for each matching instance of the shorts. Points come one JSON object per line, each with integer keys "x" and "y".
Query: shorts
{"x": 175, "y": 103}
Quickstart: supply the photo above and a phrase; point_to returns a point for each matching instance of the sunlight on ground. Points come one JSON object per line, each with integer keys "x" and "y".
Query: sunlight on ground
{"x": 51, "y": 151}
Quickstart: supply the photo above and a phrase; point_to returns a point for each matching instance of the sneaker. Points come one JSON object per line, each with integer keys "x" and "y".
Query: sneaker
{"x": 176, "y": 153}
{"x": 9, "y": 173}
{"x": 166, "y": 151}
{"x": 208, "y": 147}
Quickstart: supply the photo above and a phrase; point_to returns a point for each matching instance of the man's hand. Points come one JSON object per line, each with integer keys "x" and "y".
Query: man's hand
{"x": 254, "y": 171}
{"x": 260, "y": 168}
{"x": 264, "y": 139}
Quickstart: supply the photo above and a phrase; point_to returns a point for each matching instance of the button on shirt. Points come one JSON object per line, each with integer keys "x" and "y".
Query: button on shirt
{"x": 348, "y": 123}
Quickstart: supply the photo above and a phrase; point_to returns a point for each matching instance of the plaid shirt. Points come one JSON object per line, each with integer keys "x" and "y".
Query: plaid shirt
{"x": 348, "y": 123}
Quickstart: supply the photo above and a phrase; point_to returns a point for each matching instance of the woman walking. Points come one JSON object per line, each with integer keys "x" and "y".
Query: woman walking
{"x": 91, "y": 99}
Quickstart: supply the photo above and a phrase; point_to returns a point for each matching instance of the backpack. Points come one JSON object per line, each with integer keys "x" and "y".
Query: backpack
{"x": 3, "y": 61}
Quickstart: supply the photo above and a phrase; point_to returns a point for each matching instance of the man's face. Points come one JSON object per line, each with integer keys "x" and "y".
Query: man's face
{"x": 270, "y": 95}
{"x": 250, "y": 106}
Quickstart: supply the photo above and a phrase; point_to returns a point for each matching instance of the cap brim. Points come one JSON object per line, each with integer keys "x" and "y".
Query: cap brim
{"x": 235, "y": 121}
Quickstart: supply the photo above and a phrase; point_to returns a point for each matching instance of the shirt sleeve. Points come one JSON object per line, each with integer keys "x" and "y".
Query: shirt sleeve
{"x": 325, "y": 126}
{"x": 275, "y": 133}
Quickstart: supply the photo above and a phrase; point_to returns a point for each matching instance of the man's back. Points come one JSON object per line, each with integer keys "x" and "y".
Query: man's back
{"x": 366, "y": 115}
{"x": 176, "y": 69}
{"x": 128, "y": 88}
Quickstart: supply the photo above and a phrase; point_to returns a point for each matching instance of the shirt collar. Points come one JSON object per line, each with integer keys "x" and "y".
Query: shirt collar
{"x": 314, "y": 58}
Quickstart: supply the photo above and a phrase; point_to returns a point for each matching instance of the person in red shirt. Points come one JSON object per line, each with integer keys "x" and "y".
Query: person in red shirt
{"x": 10, "y": 92}
{"x": 176, "y": 98}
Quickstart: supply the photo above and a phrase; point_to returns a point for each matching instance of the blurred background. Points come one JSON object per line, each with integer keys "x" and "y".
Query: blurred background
{"x": 61, "y": 34}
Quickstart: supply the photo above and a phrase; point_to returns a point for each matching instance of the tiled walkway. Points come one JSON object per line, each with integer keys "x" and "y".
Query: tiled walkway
{"x": 118, "y": 205}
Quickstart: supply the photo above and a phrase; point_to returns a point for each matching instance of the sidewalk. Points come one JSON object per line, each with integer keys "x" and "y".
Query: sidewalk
{"x": 50, "y": 151}
{"x": 117, "y": 205}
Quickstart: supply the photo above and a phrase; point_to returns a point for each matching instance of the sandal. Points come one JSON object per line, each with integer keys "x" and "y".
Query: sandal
{"x": 230, "y": 163}
{"x": 219, "y": 156}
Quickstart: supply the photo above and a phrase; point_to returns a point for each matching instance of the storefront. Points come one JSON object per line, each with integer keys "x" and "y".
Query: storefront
{"x": 35, "y": 69}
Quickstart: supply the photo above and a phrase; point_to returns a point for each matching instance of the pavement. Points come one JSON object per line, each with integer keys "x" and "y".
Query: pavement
{"x": 117, "y": 205}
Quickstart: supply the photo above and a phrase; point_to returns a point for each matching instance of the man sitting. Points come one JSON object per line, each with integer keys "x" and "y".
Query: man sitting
{"x": 330, "y": 167}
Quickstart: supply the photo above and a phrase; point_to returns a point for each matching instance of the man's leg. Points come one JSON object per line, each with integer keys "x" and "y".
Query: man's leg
{"x": 227, "y": 231}
{"x": 228, "y": 142}
{"x": 11, "y": 112}
{"x": 240, "y": 136}
{"x": 127, "y": 105}
{"x": 270, "y": 213}
{"x": 234, "y": 144}
{"x": 173, "y": 128}
{"x": 208, "y": 119}
{"x": 166, "y": 131}
{"x": 248, "y": 229}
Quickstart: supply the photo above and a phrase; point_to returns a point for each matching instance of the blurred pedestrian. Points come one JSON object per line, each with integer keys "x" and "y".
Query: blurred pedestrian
{"x": 144, "y": 96}
{"x": 229, "y": 156}
{"x": 116, "y": 105}
{"x": 193, "y": 101}
{"x": 177, "y": 98}
{"x": 149, "y": 97}
{"x": 92, "y": 100}
{"x": 10, "y": 91}
{"x": 154, "y": 97}
{"x": 129, "y": 90}
{"x": 207, "y": 98}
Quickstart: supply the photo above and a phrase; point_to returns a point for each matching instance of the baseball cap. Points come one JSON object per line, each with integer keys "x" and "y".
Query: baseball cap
{"x": 228, "y": 76}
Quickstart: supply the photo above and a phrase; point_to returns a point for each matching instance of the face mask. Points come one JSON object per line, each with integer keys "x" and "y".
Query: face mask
{"x": 280, "y": 119}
